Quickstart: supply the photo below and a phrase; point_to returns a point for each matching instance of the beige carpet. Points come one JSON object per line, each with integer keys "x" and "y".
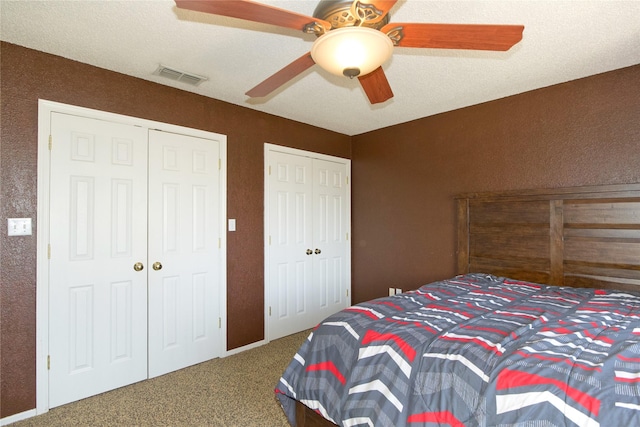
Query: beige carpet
{"x": 229, "y": 392}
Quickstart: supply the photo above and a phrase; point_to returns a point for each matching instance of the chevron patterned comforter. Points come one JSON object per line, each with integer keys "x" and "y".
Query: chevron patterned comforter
{"x": 476, "y": 350}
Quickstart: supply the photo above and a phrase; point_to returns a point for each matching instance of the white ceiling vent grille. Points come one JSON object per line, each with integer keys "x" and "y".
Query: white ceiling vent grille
{"x": 180, "y": 76}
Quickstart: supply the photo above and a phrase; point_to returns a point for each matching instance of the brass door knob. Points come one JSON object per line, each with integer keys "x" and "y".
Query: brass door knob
{"x": 309, "y": 251}
{"x": 138, "y": 266}
{"x": 157, "y": 266}
{"x": 318, "y": 251}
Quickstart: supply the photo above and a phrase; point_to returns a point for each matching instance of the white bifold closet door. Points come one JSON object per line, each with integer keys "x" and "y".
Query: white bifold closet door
{"x": 98, "y": 231}
{"x": 308, "y": 249}
{"x": 184, "y": 243}
{"x": 135, "y": 250}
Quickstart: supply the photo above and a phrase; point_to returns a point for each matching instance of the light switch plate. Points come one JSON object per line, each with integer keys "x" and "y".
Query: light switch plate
{"x": 232, "y": 225}
{"x": 19, "y": 226}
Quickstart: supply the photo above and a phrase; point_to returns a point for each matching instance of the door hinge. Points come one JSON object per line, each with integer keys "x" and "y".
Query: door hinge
{"x": 48, "y": 362}
{"x": 347, "y": 180}
{"x": 269, "y": 310}
{"x": 50, "y": 142}
{"x": 269, "y": 240}
{"x": 49, "y": 251}
{"x": 219, "y": 164}
{"x": 269, "y": 169}
{"x": 347, "y": 292}
{"x": 219, "y": 322}
{"x": 347, "y": 236}
{"x": 219, "y": 242}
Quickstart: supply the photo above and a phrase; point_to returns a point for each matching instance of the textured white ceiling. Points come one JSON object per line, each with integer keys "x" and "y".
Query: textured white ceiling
{"x": 563, "y": 40}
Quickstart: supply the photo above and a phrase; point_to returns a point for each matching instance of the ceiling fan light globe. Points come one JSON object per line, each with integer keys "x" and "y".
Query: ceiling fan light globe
{"x": 346, "y": 48}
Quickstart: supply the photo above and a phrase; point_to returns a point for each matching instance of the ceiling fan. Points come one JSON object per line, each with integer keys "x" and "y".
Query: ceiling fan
{"x": 362, "y": 25}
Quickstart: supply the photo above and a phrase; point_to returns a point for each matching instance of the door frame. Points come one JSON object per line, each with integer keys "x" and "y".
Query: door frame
{"x": 45, "y": 108}
{"x": 268, "y": 148}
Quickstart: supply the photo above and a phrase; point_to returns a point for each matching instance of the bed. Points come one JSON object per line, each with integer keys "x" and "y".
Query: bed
{"x": 541, "y": 327}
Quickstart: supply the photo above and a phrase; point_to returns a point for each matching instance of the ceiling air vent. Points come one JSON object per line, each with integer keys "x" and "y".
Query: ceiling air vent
{"x": 180, "y": 76}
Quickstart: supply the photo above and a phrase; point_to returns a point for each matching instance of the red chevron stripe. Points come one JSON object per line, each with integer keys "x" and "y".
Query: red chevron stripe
{"x": 602, "y": 303}
{"x": 627, "y": 380}
{"x": 372, "y": 336}
{"x": 428, "y": 295}
{"x": 629, "y": 359}
{"x": 510, "y": 379}
{"x": 361, "y": 311}
{"x": 388, "y": 303}
{"x": 443, "y": 417}
{"x": 328, "y": 366}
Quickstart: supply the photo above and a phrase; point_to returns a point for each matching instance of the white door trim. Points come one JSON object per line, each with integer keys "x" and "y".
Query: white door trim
{"x": 268, "y": 147}
{"x": 45, "y": 108}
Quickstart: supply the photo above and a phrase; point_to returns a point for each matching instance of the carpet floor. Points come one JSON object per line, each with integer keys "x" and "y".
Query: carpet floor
{"x": 233, "y": 391}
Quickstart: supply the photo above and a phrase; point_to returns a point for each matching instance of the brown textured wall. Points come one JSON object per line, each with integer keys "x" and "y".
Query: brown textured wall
{"x": 28, "y": 75}
{"x": 579, "y": 133}
{"x": 583, "y": 132}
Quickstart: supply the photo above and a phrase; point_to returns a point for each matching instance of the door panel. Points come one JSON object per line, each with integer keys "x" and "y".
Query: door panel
{"x": 184, "y": 218}
{"x": 98, "y": 303}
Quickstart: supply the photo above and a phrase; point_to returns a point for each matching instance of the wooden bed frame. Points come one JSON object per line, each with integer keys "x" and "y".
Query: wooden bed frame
{"x": 579, "y": 237}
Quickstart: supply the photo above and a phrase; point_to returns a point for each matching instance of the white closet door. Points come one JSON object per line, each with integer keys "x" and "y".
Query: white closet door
{"x": 184, "y": 237}
{"x": 291, "y": 302}
{"x": 330, "y": 244}
{"x": 307, "y": 248}
{"x": 98, "y": 302}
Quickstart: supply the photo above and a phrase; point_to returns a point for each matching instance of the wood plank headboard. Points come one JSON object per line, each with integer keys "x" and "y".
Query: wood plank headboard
{"x": 579, "y": 236}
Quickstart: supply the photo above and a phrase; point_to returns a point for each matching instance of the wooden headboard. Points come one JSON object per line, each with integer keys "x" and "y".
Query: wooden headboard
{"x": 580, "y": 236}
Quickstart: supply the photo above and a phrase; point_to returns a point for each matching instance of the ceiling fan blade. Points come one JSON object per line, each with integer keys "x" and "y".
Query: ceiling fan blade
{"x": 376, "y": 86}
{"x": 253, "y": 11}
{"x": 281, "y": 77}
{"x": 455, "y": 36}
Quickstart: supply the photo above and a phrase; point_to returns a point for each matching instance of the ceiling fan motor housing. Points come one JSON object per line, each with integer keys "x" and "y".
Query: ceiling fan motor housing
{"x": 340, "y": 13}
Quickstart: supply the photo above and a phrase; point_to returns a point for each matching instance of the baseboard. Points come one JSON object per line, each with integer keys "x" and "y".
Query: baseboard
{"x": 17, "y": 417}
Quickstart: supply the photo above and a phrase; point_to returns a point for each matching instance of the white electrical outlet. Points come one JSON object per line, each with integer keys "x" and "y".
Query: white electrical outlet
{"x": 398, "y": 291}
{"x": 19, "y": 226}
{"x": 392, "y": 291}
